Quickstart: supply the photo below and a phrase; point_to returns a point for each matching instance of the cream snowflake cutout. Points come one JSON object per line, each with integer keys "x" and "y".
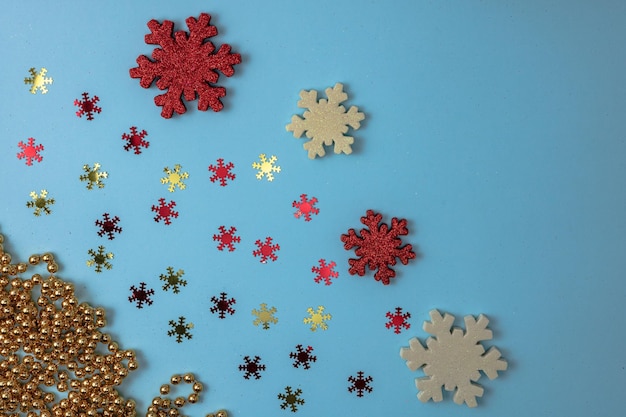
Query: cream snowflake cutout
{"x": 317, "y": 319}
{"x": 38, "y": 80}
{"x": 453, "y": 359}
{"x": 266, "y": 167}
{"x": 174, "y": 178}
{"x": 325, "y": 121}
{"x": 264, "y": 316}
{"x": 93, "y": 176}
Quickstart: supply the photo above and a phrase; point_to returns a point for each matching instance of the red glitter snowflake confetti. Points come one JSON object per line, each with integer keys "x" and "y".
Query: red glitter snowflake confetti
{"x": 141, "y": 295}
{"x": 252, "y": 367}
{"x": 87, "y": 106}
{"x": 378, "y": 247}
{"x": 165, "y": 211}
{"x": 360, "y": 384}
{"x": 223, "y": 305}
{"x": 108, "y": 225}
{"x": 266, "y": 250}
{"x": 398, "y": 320}
{"x": 305, "y": 207}
{"x": 136, "y": 140}
{"x": 227, "y": 238}
{"x": 30, "y": 151}
{"x": 303, "y": 357}
{"x": 222, "y": 172}
{"x": 186, "y": 65}
{"x": 325, "y": 272}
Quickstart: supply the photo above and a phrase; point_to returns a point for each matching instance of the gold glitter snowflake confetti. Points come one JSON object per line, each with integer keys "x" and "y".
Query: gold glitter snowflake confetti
{"x": 38, "y": 80}
{"x": 264, "y": 316}
{"x": 317, "y": 319}
{"x": 40, "y": 202}
{"x": 100, "y": 259}
{"x": 174, "y": 178}
{"x": 93, "y": 176}
{"x": 266, "y": 167}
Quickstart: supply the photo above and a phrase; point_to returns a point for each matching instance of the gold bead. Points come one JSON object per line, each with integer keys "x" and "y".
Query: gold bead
{"x": 193, "y": 398}
{"x": 197, "y": 387}
{"x": 221, "y": 413}
{"x": 175, "y": 379}
{"x": 189, "y": 378}
{"x": 47, "y": 257}
{"x": 165, "y": 389}
{"x": 179, "y": 402}
{"x": 52, "y": 267}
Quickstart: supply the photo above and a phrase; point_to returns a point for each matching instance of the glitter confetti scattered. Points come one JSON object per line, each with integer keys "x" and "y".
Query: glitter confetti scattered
{"x": 266, "y": 167}
{"x": 30, "y": 151}
{"x": 226, "y": 238}
{"x": 174, "y": 177}
{"x": 221, "y": 172}
{"x": 325, "y": 272}
{"x": 108, "y": 225}
{"x": 360, "y": 383}
{"x": 38, "y": 80}
{"x": 141, "y": 295}
{"x": 305, "y": 207}
{"x": 173, "y": 280}
{"x": 266, "y": 250}
{"x": 87, "y": 106}
{"x": 291, "y": 399}
{"x": 317, "y": 319}
{"x": 303, "y": 357}
{"x": 264, "y": 316}
{"x": 40, "y": 202}
{"x": 93, "y": 176}
{"x": 136, "y": 140}
{"x": 100, "y": 259}
{"x": 252, "y": 367}
{"x": 398, "y": 320}
{"x": 165, "y": 211}
{"x": 180, "y": 329}
{"x": 223, "y": 305}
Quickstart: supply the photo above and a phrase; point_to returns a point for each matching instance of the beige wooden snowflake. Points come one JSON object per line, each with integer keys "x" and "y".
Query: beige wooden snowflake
{"x": 317, "y": 319}
{"x": 93, "y": 176}
{"x": 326, "y": 121}
{"x": 40, "y": 202}
{"x": 174, "y": 178}
{"x": 264, "y": 316}
{"x": 453, "y": 359}
{"x": 38, "y": 80}
{"x": 266, "y": 167}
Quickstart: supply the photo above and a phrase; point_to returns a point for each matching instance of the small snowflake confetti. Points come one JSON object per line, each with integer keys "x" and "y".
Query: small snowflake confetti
{"x": 227, "y": 238}
{"x": 141, "y": 295}
{"x": 252, "y": 367}
{"x": 100, "y": 259}
{"x": 136, "y": 140}
{"x": 266, "y": 167}
{"x": 453, "y": 359}
{"x": 108, "y": 225}
{"x": 165, "y": 211}
{"x": 180, "y": 329}
{"x": 264, "y": 316}
{"x": 173, "y": 280}
{"x": 223, "y": 305}
{"x": 378, "y": 247}
{"x": 303, "y": 357}
{"x": 317, "y": 319}
{"x": 87, "y": 106}
{"x": 398, "y": 320}
{"x": 360, "y": 384}
{"x": 30, "y": 151}
{"x": 325, "y": 121}
{"x": 291, "y": 399}
{"x": 186, "y": 64}
{"x": 174, "y": 178}
{"x": 325, "y": 272}
{"x": 93, "y": 176}
{"x": 40, "y": 202}
{"x": 305, "y": 208}
{"x": 38, "y": 80}
{"x": 222, "y": 172}
{"x": 266, "y": 250}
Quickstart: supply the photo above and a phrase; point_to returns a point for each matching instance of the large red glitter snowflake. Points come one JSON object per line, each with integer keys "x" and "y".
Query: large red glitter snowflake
{"x": 87, "y": 106}
{"x": 30, "y": 151}
{"x": 135, "y": 139}
{"x": 378, "y": 247}
{"x": 186, "y": 65}
{"x": 165, "y": 211}
{"x": 222, "y": 172}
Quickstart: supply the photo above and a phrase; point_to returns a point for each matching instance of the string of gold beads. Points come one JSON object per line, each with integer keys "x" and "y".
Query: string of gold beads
{"x": 164, "y": 406}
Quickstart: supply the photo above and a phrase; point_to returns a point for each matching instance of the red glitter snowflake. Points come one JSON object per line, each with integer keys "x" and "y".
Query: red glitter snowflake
{"x": 141, "y": 295}
{"x": 222, "y": 172}
{"x": 87, "y": 106}
{"x": 303, "y": 357}
{"x": 325, "y": 272}
{"x": 252, "y": 367}
{"x": 30, "y": 151}
{"x": 360, "y": 384}
{"x": 227, "y": 238}
{"x": 266, "y": 250}
{"x": 305, "y": 208}
{"x": 378, "y": 247}
{"x": 135, "y": 140}
{"x": 109, "y": 226}
{"x": 398, "y": 320}
{"x": 223, "y": 305}
{"x": 185, "y": 64}
{"x": 165, "y": 211}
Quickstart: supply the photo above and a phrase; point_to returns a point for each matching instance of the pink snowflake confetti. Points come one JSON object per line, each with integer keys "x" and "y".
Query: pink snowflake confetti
{"x": 30, "y": 151}
{"x": 87, "y": 106}
{"x": 222, "y": 172}
{"x": 305, "y": 208}
{"x": 227, "y": 238}
{"x": 165, "y": 211}
{"x": 135, "y": 140}
{"x": 266, "y": 250}
{"x": 325, "y": 272}
{"x": 398, "y": 320}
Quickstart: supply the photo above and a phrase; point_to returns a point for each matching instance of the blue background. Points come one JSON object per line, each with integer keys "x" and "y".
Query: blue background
{"x": 496, "y": 128}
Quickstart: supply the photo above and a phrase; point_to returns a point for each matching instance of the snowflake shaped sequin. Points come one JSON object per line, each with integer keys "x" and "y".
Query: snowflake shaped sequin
{"x": 38, "y": 80}
{"x": 227, "y": 238}
{"x": 223, "y": 305}
{"x": 266, "y": 250}
{"x": 264, "y": 316}
{"x": 291, "y": 399}
{"x": 100, "y": 259}
{"x": 325, "y": 272}
{"x": 30, "y": 151}
{"x": 93, "y": 176}
{"x": 305, "y": 207}
{"x": 378, "y": 247}
{"x": 317, "y": 319}
{"x": 186, "y": 65}
{"x": 174, "y": 177}
{"x": 40, "y": 202}
{"x": 252, "y": 367}
{"x": 87, "y": 106}
{"x": 173, "y": 280}
{"x": 165, "y": 211}
{"x": 141, "y": 295}
{"x": 108, "y": 225}
{"x": 303, "y": 357}
{"x": 266, "y": 167}
{"x": 325, "y": 121}
{"x": 135, "y": 140}
{"x": 398, "y": 320}
{"x": 453, "y": 359}
{"x": 360, "y": 383}
{"x": 221, "y": 172}
{"x": 180, "y": 329}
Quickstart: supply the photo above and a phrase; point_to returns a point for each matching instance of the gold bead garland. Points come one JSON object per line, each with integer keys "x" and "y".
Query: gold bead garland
{"x": 49, "y": 339}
